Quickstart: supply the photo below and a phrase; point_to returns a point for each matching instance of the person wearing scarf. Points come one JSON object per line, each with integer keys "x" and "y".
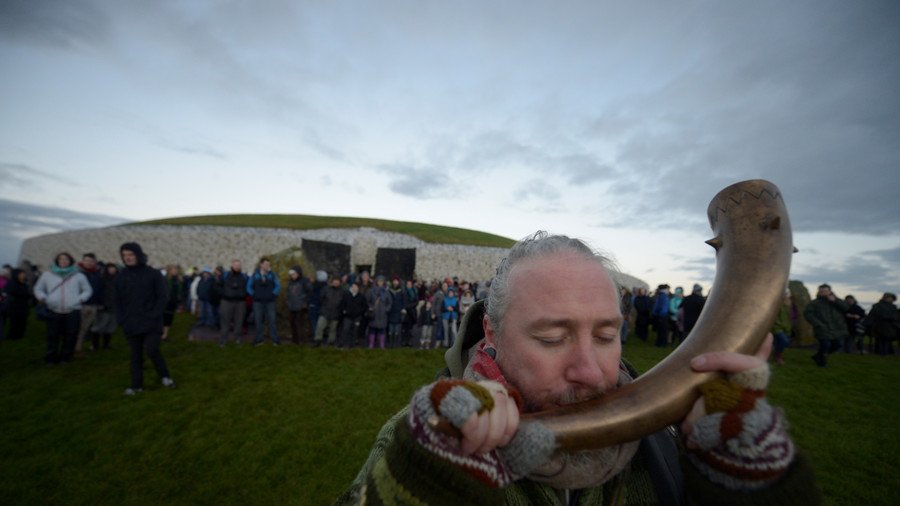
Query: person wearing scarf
{"x": 548, "y": 336}
{"x": 63, "y": 289}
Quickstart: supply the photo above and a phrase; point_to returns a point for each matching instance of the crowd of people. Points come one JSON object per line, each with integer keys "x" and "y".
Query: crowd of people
{"x": 343, "y": 310}
{"x": 838, "y": 324}
{"x": 346, "y": 310}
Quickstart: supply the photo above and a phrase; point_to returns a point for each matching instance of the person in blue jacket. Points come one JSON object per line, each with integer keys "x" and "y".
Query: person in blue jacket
{"x": 661, "y": 315}
{"x": 263, "y": 287}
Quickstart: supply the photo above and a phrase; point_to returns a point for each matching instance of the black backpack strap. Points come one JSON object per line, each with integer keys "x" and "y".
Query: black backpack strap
{"x": 661, "y": 457}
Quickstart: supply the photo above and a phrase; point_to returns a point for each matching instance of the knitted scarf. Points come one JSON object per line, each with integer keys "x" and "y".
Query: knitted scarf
{"x": 63, "y": 271}
{"x": 575, "y": 470}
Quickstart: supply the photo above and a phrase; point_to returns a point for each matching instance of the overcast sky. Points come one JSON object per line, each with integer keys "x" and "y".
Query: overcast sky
{"x": 616, "y": 122}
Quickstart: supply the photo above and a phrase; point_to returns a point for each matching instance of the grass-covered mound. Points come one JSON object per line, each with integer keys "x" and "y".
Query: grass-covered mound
{"x": 292, "y": 425}
{"x": 429, "y": 233}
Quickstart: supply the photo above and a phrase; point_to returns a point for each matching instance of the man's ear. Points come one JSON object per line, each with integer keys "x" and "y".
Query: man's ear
{"x": 488, "y": 330}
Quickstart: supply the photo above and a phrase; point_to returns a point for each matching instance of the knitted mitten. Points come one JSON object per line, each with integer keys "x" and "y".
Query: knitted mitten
{"x": 742, "y": 444}
{"x": 456, "y": 401}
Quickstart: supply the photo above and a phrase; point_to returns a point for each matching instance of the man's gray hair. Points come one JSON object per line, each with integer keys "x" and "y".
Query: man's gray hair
{"x": 536, "y": 245}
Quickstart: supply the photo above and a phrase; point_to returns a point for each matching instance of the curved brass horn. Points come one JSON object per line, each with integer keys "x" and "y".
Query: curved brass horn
{"x": 753, "y": 257}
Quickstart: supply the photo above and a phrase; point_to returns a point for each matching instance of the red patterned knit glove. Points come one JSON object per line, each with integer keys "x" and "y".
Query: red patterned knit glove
{"x": 454, "y": 402}
{"x": 742, "y": 444}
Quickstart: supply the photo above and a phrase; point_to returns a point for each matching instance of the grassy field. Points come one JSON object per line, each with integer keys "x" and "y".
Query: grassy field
{"x": 292, "y": 425}
{"x": 424, "y": 231}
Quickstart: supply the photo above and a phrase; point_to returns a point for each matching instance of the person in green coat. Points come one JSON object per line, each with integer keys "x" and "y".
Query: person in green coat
{"x": 826, "y": 315}
{"x": 781, "y": 329}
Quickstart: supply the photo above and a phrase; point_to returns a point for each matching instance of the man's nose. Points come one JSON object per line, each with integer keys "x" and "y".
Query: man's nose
{"x": 584, "y": 365}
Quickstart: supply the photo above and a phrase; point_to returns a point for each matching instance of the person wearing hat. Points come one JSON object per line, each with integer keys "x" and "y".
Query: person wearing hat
{"x": 141, "y": 296}
{"x": 882, "y": 321}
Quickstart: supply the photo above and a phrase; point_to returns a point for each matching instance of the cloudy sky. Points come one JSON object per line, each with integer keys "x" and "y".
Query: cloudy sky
{"x": 616, "y": 122}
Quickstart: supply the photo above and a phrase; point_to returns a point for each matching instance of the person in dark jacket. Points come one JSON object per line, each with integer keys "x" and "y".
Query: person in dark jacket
{"x": 298, "y": 291}
{"x": 18, "y": 300}
{"x": 826, "y": 315}
{"x": 882, "y": 322}
{"x": 855, "y": 331}
{"x": 626, "y": 300}
{"x": 231, "y": 307}
{"x": 397, "y": 312}
{"x": 141, "y": 296}
{"x": 692, "y": 306}
{"x": 173, "y": 281}
{"x": 105, "y": 323}
{"x": 204, "y": 295}
{"x": 642, "y": 309}
{"x": 379, "y": 304}
{"x": 353, "y": 308}
{"x": 263, "y": 286}
{"x": 411, "y": 298}
{"x": 330, "y": 315}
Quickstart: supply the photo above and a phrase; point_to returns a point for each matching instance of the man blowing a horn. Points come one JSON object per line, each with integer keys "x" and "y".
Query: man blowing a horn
{"x": 548, "y": 336}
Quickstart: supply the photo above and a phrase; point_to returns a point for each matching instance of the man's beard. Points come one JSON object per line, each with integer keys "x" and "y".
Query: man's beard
{"x": 584, "y": 468}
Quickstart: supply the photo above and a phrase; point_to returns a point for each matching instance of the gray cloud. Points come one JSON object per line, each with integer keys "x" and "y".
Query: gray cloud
{"x": 859, "y": 274}
{"x": 539, "y": 195}
{"x": 702, "y": 268}
{"x": 891, "y": 256}
{"x": 417, "y": 182}
{"x": 22, "y": 220}
{"x": 198, "y": 149}
{"x": 20, "y": 175}
{"x": 807, "y": 102}
{"x": 493, "y": 150}
{"x": 56, "y": 23}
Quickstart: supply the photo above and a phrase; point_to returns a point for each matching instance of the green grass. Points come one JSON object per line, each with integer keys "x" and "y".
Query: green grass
{"x": 292, "y": 425}
{"x": 428, "y": 233}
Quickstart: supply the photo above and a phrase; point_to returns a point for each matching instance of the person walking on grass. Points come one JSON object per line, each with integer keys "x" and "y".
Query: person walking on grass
{"x": 141, "y": 296}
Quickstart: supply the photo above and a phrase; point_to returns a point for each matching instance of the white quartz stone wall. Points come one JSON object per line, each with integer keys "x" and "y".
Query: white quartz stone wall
{"x": 209, "y": 245}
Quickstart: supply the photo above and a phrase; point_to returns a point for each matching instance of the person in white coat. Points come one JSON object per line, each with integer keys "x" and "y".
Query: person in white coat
{"x": 63, "y": 289}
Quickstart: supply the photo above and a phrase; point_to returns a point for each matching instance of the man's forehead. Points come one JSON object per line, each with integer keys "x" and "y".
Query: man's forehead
{"x": 565, "y": 267}
{"x": 566, "y": 276}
